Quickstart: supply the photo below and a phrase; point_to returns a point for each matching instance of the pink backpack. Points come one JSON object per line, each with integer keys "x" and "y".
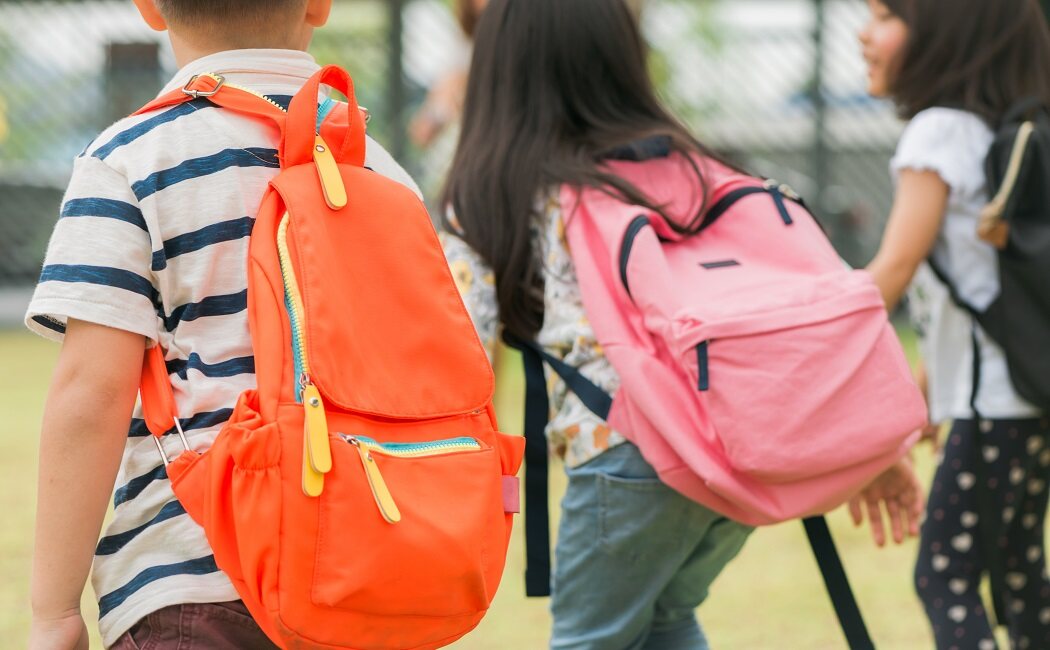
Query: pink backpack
{"x": 759, "y": 375}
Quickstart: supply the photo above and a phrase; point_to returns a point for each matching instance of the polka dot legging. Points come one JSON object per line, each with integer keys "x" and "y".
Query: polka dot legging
{"x": 1015, "y": 459}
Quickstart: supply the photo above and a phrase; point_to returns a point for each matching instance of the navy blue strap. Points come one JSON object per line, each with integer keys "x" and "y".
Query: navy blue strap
{"x": 537, "y": 517}
{"x": 837, "y": 584}
{"x": 593, "y": 397}
{"x": 537, "y": 412}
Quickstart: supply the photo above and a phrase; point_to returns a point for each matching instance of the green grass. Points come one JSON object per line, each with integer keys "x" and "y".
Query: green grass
{"x": 770, "y": 597}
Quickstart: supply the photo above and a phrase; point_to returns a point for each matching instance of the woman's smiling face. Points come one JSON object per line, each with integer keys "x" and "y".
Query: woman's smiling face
{"x": 883, "y": 39}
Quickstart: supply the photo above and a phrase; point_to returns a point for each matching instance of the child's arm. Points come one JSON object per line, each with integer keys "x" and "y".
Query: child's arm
{"x": 918, "y": 210}
{"x": 85, "y": 428}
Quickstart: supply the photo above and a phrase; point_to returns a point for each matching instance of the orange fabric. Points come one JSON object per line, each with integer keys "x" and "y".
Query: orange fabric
{"x": 158, "y": 403}
{"x": 396, "y": 359}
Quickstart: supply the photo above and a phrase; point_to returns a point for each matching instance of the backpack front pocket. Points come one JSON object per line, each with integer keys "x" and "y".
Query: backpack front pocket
{"x": 802, "y": 392}
{"x": 409, "y": 528}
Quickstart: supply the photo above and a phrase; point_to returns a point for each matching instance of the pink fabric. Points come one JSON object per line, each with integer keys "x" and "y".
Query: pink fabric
{"x": 511, "y": 495}
{"x": 809, "y": 393}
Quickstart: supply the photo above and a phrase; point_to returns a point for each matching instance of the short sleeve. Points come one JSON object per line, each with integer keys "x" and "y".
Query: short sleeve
{"x": 950, "y": 142}
{"x": 477, "y": 286}
{"x": 98, "y": 263}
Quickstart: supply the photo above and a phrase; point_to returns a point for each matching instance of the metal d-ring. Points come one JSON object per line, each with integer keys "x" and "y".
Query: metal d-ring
{"x": 182, "y": 436}
{"x": 219, "y": 81}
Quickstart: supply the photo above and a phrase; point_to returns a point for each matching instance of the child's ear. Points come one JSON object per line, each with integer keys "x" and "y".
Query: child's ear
{"x": 317, "y": 12}
{"x": 151, "y": 14}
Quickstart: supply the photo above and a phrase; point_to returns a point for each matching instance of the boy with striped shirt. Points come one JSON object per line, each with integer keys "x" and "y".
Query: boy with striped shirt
{"x": 150, "y": 249}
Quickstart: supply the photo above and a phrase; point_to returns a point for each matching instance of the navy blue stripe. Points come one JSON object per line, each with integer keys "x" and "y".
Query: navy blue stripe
{"x": 719, "y": 265}
{"x": 233, "y": 303}
{"x": 204, "y": 166}
{"x": 228, "y": 368}
{"x": 203, "y": 420}
{"x": 284, "y": 101}
{"x": 142, "y": 128}
{"x": 703, "y": 382}
{"x": 105, "y": 208}
{"x": 101, "y": 275}
{"x": 113, "y": 543}
{"x": 197, "y": 567}
{"x": 50, "y": 324}
{"x": 135, "y": 486}
{"x": 198, "y": 239}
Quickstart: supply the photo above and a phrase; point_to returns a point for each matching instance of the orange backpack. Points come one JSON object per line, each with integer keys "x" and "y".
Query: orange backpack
{"x": 361, "y": 496}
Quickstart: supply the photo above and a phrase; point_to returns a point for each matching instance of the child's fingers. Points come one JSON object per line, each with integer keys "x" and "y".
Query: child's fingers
{"x": 914, "y": 514}
{"x": 855, "y": 512}
{"x": 897, "y": 517}
{"x": 878, "y": 529}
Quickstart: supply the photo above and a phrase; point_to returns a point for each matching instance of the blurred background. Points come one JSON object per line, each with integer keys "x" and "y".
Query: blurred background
{"x": 778, "y": 85}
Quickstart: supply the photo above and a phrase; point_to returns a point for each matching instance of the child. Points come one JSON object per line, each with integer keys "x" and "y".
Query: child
{"x": 152, "y": 249}
{"x": 633, "y": 558}
{"x": 953, "y": 68}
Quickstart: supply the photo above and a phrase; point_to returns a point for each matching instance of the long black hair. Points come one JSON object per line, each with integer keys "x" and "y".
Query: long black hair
{"x": 554, "y": 86}
{"x": 978, "y": 55}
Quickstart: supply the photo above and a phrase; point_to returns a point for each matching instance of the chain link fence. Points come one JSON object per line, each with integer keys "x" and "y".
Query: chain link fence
{"x": 776, "y": 84}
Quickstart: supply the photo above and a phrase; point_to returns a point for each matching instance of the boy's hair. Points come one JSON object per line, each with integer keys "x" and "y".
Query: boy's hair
{"x": 981, "y": 56}
{"x": 267, "y": 16}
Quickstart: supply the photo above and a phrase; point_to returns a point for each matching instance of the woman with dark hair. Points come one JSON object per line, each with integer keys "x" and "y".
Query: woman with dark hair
{"x": 954, "y": 68}
{"x": 555, "y": 87}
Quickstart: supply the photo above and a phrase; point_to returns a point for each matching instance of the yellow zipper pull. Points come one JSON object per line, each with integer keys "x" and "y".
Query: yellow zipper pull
{"x": 328, "y": 171}
{"x": 384, "y": 500}
{"x": 313, "y": 481}
{"x": 317, "y": 444}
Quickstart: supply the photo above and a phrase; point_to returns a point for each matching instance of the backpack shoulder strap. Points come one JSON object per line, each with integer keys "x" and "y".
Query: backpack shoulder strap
{"x": 214, "y": 88}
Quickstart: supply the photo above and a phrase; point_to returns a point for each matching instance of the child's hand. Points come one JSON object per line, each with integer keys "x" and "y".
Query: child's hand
{"x": 67, "y": 632}
{"x": 899, "y": 490}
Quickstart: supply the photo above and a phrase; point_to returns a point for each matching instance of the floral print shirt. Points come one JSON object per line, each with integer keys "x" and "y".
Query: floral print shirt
{"x": 573, "y": 432}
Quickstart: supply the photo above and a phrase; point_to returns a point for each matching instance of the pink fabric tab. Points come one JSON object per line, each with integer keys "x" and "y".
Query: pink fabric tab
{"x": 511, "y": 495}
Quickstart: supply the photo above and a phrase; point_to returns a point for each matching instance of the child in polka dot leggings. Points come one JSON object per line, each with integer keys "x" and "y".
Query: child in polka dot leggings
{"x": 1009, "y": 461}
{"x": 953, "y": 68}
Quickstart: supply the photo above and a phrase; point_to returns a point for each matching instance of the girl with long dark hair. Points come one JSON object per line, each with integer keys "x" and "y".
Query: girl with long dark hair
{"x": 556, "y": 87}
{"x": 954, "y": 68}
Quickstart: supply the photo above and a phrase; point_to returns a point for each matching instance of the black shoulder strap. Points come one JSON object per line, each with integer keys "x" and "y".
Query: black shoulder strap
{"x": 537, "y": 525}
{"x": 986, "y": 510}
{"x": 953, "y": 292}
{"x": 837, "y": 584}
{"x": 537, "y": 515}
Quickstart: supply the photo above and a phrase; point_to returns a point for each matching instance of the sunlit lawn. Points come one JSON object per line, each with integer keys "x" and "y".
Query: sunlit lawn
{"x": 770, "y": 597}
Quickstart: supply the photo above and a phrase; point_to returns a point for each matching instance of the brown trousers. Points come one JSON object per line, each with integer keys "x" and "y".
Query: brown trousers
{"x": 208, "y": 626}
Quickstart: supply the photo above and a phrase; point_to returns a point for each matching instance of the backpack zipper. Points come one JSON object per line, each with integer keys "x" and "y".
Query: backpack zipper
{"x": 367, "y": 446}
{"x": 317, "y": 452}
{"x": 220, "y": 79}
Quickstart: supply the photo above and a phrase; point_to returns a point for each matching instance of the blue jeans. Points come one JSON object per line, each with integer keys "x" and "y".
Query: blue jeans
{"x": 634, "y": 559}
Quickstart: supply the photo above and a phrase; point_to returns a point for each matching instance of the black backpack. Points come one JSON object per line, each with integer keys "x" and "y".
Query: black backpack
{"x": 1017, "y": 223}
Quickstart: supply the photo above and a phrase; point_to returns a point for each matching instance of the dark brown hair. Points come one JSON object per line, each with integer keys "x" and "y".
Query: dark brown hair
{"x": 554, "y": 85}
{"x": 981, "y": 56}
{"x": 212, "y": 13}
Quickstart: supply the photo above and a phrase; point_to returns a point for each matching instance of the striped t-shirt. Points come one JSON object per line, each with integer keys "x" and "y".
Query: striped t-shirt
{"x": 153, "y": 239}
